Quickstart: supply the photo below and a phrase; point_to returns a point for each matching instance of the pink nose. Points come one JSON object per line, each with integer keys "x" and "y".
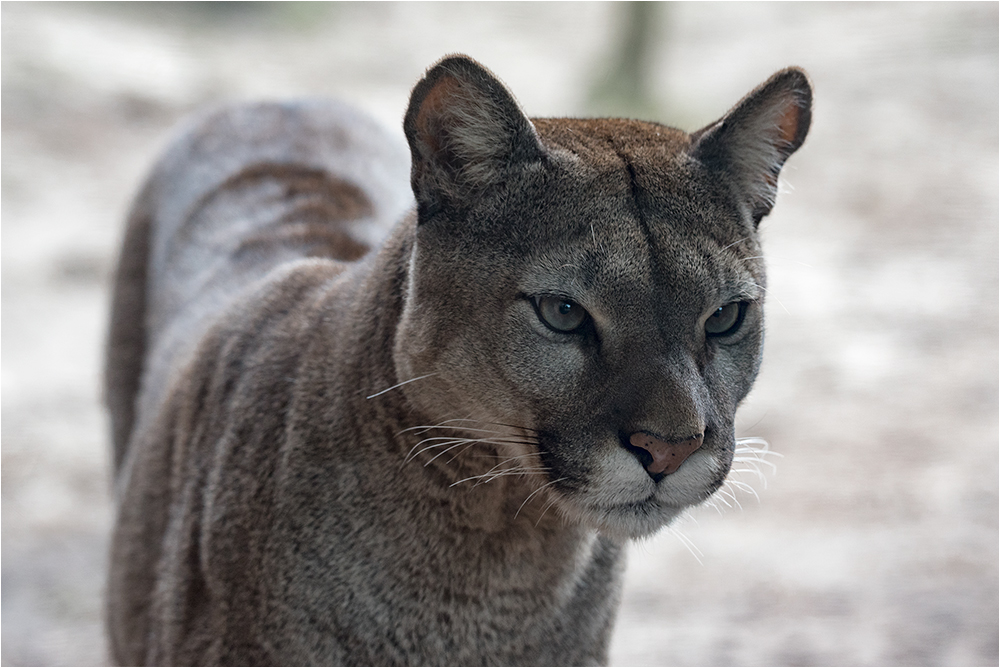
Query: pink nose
{"x": 667, "y": 455}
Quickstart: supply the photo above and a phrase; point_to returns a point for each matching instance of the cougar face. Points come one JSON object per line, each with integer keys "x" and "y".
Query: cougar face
{"x": 599, "y": 308}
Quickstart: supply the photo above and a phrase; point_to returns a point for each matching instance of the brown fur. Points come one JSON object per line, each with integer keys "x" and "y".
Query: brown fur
{"x": 331, "y": 457}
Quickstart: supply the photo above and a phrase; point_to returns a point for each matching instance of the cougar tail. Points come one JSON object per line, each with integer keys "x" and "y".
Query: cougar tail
{"x": 126, "y": 342}
{"x": 238, "y": 191}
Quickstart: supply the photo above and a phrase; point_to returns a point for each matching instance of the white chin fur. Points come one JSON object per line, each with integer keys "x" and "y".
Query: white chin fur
{"x": 622, "y": 501}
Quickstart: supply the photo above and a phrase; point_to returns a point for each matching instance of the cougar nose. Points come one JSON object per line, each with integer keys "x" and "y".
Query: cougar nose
{"x": 667, "y": 456}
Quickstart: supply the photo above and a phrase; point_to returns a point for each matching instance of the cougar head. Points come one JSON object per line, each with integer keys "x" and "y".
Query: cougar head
{"x": 596, "y": 286}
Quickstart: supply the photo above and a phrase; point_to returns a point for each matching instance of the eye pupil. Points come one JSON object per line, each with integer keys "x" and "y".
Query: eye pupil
{"x": 565, "y": 308}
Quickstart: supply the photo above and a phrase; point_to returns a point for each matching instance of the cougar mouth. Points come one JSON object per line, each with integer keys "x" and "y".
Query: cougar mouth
{"x": 615, "y": 493}
{"x": 628, "y": 512}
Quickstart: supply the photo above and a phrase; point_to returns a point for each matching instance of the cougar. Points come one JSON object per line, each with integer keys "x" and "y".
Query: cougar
{"x": 357, "y": 422}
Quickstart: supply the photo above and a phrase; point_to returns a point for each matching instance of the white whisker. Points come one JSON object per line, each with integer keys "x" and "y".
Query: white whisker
{"x": 462, "y": 451}
{"x": 750, "y": 453}
{"x": 756, "y": 471}
{"x": 755, "y": 460}
{"x": 721, "y": 499}
{"x": 428, "y": 427}
{"x": 765, "y": 290}
{"x": 725, "y": 492}
{"x": 519, "y": 471}
{"x": 458, "y": 443}
{"x": 449, "y": 440}
{"x": 711, "y": 503}
{"x": 686, "y": 542}
{"x": 528, "y": 498}
{"x": 411, "y": 455}
{"x": 488, "y": 477}
{"x": 738, "y": 241}
{"x": 745, "y": 487}
{"x": 548, "y": 505}
{"x": 372, "y": 396}
{"x": 528, "y": 455}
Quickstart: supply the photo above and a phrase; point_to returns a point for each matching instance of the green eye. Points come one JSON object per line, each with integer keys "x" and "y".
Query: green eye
{"x": 560, "y": 314}
{"x": 726, "y": 319}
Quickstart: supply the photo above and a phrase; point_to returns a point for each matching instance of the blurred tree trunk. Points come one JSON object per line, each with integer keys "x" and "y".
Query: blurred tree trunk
{"x": 623, "y": 87}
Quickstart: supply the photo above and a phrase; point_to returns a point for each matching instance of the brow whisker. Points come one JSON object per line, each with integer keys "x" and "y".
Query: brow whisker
{"x": 738, "y": 241}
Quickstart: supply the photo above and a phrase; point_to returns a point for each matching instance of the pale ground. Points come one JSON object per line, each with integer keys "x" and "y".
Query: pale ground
{"x": 876, "y": 541}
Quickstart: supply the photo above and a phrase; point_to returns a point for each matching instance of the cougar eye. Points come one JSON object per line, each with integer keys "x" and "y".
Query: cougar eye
{"x": 726, "y": 319}
{"x": 560, "y": 314}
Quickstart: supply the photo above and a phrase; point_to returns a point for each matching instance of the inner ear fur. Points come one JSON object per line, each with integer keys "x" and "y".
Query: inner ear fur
{"x": 750, "y": 144}
{"x": 465, "y": 130}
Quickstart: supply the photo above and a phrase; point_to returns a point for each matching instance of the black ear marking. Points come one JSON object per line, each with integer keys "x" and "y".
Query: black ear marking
{"x": 751, "y": 143}
{"x": 465, "y": 129}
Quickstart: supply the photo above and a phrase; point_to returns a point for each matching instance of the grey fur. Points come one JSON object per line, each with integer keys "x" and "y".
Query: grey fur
{"x": 280, "y": 504}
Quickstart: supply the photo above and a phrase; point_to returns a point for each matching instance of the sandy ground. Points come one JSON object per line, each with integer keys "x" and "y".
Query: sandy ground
{"x": 876, "y": 541}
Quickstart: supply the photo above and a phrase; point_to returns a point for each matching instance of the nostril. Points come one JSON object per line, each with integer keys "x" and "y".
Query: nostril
{"x": 643, "y": 455}
{"x": 660, "y": 457}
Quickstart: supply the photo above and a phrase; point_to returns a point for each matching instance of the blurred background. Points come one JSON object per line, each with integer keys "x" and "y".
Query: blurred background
{"x": 876, "y": 540}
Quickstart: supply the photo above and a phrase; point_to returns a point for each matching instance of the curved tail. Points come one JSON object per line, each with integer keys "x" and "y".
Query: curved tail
{"x": 126, "y": 342}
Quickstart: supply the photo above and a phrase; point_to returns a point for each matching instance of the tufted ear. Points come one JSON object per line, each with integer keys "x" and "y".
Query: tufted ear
{"x": 466, "y": 131}
{"x": 750, "y": 144}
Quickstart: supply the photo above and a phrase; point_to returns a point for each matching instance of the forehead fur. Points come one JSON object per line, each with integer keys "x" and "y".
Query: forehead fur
{"x": 672, "y": 218}
{"x": 608, "y": 141}
{"x": 652, "y": 167}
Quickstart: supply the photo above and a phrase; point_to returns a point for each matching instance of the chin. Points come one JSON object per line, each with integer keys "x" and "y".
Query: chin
{"x": 636, "y": 521}
{"x": 627, "y": 521}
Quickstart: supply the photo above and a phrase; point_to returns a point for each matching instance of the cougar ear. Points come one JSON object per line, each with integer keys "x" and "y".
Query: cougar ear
{"x": 750, "y": 144}
{"x": 466, "y": 131}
